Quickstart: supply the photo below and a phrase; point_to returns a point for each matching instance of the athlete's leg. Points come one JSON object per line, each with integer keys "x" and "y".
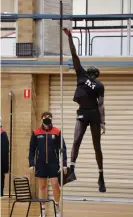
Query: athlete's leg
{"x": 96, "y": 137}
{"x": 80, "y": 129}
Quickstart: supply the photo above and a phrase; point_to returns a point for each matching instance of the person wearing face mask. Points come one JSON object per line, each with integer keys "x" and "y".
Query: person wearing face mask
{"x": 45, "y": 144}
{"x": 89, "y": 95}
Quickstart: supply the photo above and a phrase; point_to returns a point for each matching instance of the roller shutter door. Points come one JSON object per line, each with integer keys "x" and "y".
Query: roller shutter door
{"x": 117, "y": 144}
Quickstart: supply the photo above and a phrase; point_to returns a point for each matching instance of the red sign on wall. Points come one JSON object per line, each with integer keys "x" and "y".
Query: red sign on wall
{"x": 27, "y": 93}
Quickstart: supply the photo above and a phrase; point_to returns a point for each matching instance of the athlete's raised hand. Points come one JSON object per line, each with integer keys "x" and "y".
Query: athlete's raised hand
{"x": 67, "y": 31}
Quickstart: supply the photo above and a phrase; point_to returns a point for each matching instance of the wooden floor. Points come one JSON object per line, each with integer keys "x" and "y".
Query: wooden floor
{"x": 72, "y": 209}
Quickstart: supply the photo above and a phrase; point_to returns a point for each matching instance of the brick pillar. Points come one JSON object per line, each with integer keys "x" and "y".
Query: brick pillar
{"x": 42, "y": 104}
{"x": 21, "y": 123}
{"x": 42, "y": 96}
{"x": 5, "y": 113}
{"x": 33, "y": 126}
{"x": 21, "y": 120}
{"x": 48, "y": 31}
{"x": 33, "y": 105}
{"x": 25, "y": 26}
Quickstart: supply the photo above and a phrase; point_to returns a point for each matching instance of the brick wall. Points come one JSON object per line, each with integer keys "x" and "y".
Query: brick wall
{"x": 7, "y": 6}
{"x": 26, "y": 116}
{"x": 33, "y": 103}
{"x": 52, "y": 28}
{"x": 25, "y": 26}
{"x": 21, "y": 119}
{"x": 51, "y": 35}
{"x": 42, "y": 93}
{"x": 5, "y": 110}
{"x": 5, "y": 101}
{"x": 33, "y": 126}
{"x": 45, "y": 33}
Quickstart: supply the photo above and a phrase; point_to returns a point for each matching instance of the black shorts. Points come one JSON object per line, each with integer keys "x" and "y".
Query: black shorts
{"x": 88, "y": 116}
{"x": 47, "y": 171}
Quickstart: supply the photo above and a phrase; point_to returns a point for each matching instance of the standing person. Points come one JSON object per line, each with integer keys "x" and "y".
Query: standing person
{"x": 89, "y": 94}
{"x": 45, "y": 143}
{"x": 4, "y": 157}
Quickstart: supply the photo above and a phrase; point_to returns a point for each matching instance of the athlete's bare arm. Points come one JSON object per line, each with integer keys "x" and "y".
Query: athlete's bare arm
{"x": 102, "y": 112}
{"x": 101, "y": 109}
{"x": 76, "y": 60}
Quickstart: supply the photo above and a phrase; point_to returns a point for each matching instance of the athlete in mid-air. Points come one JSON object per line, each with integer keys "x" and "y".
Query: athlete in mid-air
{"x": 89, "y": 94}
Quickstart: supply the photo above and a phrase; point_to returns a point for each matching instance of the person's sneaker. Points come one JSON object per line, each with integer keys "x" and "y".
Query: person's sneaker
{"x": 57, "y": 210}
{"x": 102, "y": 187}
{"x": 43, "y": 213}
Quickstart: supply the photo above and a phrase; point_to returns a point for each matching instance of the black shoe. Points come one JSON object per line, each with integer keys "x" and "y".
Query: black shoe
{"x": 73, "y": 176}
{"x": 72, "y": 172}
{"x": 102, "y": 187}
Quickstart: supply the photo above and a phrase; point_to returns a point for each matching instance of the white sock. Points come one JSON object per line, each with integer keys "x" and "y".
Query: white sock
{"x": 72, "y": 164}
{"x": 43, "y": 206}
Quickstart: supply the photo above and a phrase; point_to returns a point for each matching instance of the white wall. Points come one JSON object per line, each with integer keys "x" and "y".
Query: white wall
{"x": 101, "y": 46}
{"x": 8, "y": 46}
{"x": 104, "y": 46}
{"x": 100, "y": 6}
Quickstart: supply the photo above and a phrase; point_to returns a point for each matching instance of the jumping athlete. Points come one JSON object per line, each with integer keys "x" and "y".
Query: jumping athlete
{"x": 89, "y": 94}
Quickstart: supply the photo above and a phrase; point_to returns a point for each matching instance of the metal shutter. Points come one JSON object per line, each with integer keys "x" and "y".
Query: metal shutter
{"x": 117, "y": 144}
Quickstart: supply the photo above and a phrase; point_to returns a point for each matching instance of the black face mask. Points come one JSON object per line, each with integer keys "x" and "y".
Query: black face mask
{"x": 47, "y": 121}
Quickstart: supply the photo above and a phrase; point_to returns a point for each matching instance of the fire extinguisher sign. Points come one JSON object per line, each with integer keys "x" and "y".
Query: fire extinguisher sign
{"x": 27, "y": 93}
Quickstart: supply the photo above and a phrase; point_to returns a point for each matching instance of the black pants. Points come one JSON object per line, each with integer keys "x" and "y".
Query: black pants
{"x": 2, "y": 182}
{"x": 80, "y": 129}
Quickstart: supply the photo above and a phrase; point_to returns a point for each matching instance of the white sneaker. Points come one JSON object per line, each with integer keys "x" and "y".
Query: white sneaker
{"x": 43, "y": 214}
{"x": 57, "y": 210}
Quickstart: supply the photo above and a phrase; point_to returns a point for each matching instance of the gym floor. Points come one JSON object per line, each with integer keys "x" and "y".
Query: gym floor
{"x": 71, "y": 209}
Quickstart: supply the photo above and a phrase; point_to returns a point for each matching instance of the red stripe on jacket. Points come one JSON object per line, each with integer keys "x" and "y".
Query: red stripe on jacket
{"x": 1, "y": 130}
{"x": 54, "y": 131}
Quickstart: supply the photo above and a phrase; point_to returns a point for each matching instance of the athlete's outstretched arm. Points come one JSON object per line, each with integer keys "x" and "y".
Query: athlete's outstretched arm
{"x": 76, "y": 60}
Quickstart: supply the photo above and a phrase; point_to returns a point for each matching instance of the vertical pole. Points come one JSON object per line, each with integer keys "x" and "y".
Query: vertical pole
{"x": 61, "y": 97}
{"x": 128, "y": 36}
{"x": 16, "y": 25}
{"x": 41, "y": 24}
{"x": 10, "y": 153}
{"x": 81, "y": 36}
{"x": 129, "y": 30}
{"x": 86, "y": 29}
{"x": 122, "y": 7}
{"x": 129, "y": 6}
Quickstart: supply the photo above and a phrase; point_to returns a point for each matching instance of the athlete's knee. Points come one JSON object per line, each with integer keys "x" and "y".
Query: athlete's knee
{"x": 77, "y": 142}
{"x": 97, "y": 147}
{"x": 77, "y": 139}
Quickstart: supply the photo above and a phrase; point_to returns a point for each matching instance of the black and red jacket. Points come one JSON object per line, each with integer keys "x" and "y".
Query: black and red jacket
{"x": 45, "y": 146}
{"x": 4, "y": 151}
